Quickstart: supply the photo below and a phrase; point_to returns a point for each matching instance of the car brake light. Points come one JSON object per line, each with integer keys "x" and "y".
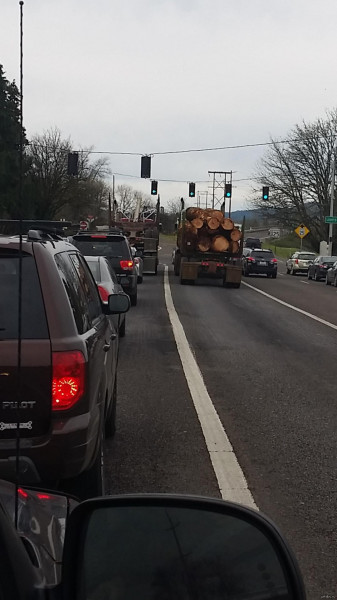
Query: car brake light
{"x": 250, "y": 259}
{"x": 42, "y": 496}
{"x": 126, "y": 264}
{"x": 204, "y": 264}
{"x": 99, "y": 236}
{"x": 274, "y": 260}
{"x": 103, "y": 293}
{"x": 68, "y": 379}
{"x": 22, "y": 493}
{"x": 296, "y": 261}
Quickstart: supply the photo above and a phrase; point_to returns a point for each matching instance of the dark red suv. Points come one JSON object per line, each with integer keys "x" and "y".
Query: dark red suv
{"x": 64, "y": 394}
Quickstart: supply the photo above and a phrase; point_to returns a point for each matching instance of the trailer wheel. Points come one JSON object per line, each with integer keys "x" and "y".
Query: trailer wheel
{"x": 177, "y": 261}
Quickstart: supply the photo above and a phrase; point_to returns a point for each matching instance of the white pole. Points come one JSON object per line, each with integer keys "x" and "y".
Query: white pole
{"x": 332, "y": 194}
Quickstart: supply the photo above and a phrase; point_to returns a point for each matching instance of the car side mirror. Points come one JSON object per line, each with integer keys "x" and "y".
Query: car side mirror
{"x": 139, "y": 253}
{"x": 166, "y": 546}
{"x": 117, "y": 304}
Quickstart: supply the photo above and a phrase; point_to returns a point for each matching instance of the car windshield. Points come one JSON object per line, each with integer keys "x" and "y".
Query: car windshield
{"x": 262, "y": 255}
{"x": 94, "y": 268}
{"x": 101, "y": 247}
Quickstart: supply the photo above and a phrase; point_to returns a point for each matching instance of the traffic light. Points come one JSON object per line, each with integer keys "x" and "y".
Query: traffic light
{"x": 154, "y": 188}
{"x": 73, "y": 163}
{"x": 145, "y": 167}
{"x": 191, "y": 190}
{"x": 265, "y": 192}
{"x": 228, "y": 190}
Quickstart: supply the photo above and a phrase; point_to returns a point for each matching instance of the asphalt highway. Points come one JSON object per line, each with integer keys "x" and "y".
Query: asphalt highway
{"x": 270, "y": 373}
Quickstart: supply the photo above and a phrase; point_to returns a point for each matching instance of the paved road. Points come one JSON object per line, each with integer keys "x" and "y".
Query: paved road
{"x": 270, "y": 372}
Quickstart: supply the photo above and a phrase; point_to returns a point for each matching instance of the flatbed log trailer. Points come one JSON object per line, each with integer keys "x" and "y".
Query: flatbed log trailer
{"x": 191, "y": 263}
{"x": 143, "y": 234}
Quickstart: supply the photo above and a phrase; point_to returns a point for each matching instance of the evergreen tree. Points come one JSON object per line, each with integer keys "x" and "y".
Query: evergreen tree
{"x": 10, "y": 132}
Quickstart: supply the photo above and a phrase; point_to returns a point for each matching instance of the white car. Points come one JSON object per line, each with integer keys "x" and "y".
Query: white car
{"x": 299, "y": 262}
{"x": 139, "y": 264}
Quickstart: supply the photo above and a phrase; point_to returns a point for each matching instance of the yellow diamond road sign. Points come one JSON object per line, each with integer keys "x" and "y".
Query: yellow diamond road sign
{"x": 302, "y": 231}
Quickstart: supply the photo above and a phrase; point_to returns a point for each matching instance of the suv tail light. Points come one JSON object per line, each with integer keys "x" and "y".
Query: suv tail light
{"x": 274, "y": 260}
{"x": 68, "y": 379}
{"x": 103, "y": 293}
{"x": 250, "y": 259}
{"x": 296, "y": 261}
{"x": 126, "y": 264}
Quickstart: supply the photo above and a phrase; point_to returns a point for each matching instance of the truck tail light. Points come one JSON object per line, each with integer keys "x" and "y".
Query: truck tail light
{"x": 126, "y": 264}
{"x": 68, "y": 379}
{"x": 103, "y": 293}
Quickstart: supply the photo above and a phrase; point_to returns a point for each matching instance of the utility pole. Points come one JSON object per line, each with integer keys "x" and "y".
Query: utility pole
{"x": 332, "y": 195}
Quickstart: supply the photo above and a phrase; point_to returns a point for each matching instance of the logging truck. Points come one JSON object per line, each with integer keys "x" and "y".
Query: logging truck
{"x": 142, "y": 230}
{"x": 208, "y": 245}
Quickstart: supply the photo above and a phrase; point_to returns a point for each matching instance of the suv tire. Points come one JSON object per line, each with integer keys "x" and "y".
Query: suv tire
{"x": 90, "y": 483}
{"x": 133, "y": 299}
{"x": 110, "y": 421}
{"x": 122, "y": 328}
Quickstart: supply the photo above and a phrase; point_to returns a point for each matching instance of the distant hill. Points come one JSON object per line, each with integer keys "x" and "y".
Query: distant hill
{"x": 251, "y": 215}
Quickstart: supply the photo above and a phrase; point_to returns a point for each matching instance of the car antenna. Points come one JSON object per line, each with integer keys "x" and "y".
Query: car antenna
{"x": 20, "y": 211}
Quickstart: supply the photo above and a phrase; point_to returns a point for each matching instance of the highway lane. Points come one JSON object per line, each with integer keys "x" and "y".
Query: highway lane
{"x": 270, "y": 374}
{"x": 312, "y": 296}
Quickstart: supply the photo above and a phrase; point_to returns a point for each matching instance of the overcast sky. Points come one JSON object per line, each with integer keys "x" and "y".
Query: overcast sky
{"x": 158, "y": 75}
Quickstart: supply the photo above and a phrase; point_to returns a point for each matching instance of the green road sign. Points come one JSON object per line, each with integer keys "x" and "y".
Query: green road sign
{"x": 331, "y": 219}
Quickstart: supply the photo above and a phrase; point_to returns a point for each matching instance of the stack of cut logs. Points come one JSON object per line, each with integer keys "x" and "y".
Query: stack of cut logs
{"x": 207, "y": 230}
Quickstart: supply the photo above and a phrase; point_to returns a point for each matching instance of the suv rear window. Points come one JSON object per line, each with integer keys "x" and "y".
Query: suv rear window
{"x": 112, "y": 246}
{"x": 306, "y": 256}
{"x": 265, "y": 255}
{"x": 34, "y": 322}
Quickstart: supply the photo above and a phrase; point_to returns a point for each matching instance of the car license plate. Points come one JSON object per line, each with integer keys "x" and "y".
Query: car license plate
{"x": 262, "y": 263}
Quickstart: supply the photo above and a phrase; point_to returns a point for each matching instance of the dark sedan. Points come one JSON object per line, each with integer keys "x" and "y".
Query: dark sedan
{"x": 331, "y": 275}
{"x": 318, "y": 269}
{"x": 260, "y": 262}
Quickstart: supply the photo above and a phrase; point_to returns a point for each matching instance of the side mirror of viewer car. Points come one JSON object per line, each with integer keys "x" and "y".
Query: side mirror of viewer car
{"x": 162, "y": 546}
{"x": 117, "y": 304}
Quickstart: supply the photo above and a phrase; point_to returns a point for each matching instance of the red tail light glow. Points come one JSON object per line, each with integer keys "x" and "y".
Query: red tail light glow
{"x": 22, "y": 493}
{"x": 103, "y": 293}
{"x": 68, "y": 379}
{"x": 274, "y": 260}
{"x": 99, "y": 236}
{"x": 204, "y": 264}
{"x": 43, "y": 496}
{"x": 126, "y": 264}
{"x": 296, "y": 261}
{"x": 250, "y": 259}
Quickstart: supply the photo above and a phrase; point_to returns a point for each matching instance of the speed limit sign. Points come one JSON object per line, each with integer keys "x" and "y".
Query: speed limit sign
{"x": 83, "y": 225}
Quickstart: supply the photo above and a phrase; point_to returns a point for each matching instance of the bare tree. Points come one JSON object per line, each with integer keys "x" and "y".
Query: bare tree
{"x": 298, "y": 175}
{"x": 127, "y": 198}
{"x": 49, "y": 190}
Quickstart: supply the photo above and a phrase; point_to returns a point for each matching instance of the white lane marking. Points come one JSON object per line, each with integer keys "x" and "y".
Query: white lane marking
{"x": 299, "y": 310}
{"x": 231, "y": 480}
{"x": 280, "y": 275}
{"x": 306, "y": 282}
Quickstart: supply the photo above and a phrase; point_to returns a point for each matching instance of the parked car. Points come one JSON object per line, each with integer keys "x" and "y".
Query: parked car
{"x": 331, "y": 275}
{"x": 318, "y": 269}
{"x": 107, "y": 284}
{"x": 67, "y": 388}
{"x": 116, "y": 248}
{"x": 261, "y": 262}
{"x": 299, "y": 262}
{"x": 136, "y": 255}
{"x": 253, "y": 242}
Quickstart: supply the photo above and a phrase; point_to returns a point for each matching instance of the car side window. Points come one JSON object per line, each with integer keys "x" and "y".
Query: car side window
{"x": 89, "y": 286}
{"x": 75, "y": 295}
{"x": 111, "y": 272}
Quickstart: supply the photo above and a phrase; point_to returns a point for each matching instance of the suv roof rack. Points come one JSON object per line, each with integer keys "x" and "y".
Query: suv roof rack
{"x": 12, "y": 226}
